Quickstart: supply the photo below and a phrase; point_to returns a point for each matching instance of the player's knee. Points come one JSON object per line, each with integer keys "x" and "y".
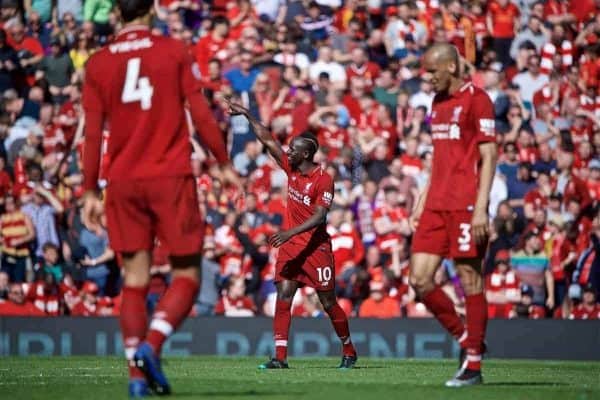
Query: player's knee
{"x": 420, "y": 282}
{"x": 328, "y": 300}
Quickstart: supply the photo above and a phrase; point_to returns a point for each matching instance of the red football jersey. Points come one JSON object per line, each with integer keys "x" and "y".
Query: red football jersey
{"x": 305, "y": 193}
{"x": 139, "y": 84}
{"x": 583, "y": 312}
{"x": 460, "y": 122}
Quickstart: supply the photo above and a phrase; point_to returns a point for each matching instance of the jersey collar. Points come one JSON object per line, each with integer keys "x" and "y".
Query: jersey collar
{"x": 133, "y": 28}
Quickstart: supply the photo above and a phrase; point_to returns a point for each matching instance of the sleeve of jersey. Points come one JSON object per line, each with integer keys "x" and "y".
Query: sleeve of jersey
{"x": 94, "y": 119}
{"x": 202, "y": 116}
{"x": 324, "y": 191}
{"x": 484, "y": 118}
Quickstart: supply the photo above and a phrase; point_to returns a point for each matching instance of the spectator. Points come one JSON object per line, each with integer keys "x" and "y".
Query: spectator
{"x": 526, "y": 308}
{"x": 208, "y": 296}
{"x": 98, "y": 255}
{"x": 57, "y": 69}
{"x": 17, "y": 234}
{"x": 9, "y": 64}
{"x": 4, "y": 285}
{"x": 51, "y": 263}
{"x": 589, "y": 308}
{"x": 213, "y": 45}
{"x": 502, "y": 287}
{"x": 533, "y": 269}
{"x": 234, "y": 303}
{"x": 530, "y": 81}
{"x": 88, "y": 305}
{"x": 325, "y": 63}
{"x": 41, "y": 207}
{"x": 379, "y": 304}
{"x": 17, "y": 306}
{"x": 98, "y": 12}
{"x": 242, "y": 79}
{"x": 29, "y": 50}
{"x": 346, "y": 244}
{"x": 535, "y": 32}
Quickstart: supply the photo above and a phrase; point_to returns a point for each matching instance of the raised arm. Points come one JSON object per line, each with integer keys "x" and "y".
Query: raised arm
{"x": 262, "y": 133}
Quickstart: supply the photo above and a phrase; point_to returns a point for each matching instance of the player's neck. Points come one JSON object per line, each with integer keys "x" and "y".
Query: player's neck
{"x": 144, "y": 20}
{"x": 454, "y": 86}
{"x": 306, "y": 166}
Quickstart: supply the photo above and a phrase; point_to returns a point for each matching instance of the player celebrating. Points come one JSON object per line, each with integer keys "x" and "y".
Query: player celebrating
{"x": 451, "y": 215}
{"x": 138, "y": 84}
{"x": 305, "y": 254}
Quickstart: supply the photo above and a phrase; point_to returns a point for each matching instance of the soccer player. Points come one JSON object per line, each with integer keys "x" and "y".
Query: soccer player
{"x": 451, "y": 217}
{"x": 138, "y": 85}
{"x": 305, "y": 255}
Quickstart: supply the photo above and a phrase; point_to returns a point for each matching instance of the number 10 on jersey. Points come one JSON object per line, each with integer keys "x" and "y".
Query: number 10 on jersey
{"x": 137, "y": 88}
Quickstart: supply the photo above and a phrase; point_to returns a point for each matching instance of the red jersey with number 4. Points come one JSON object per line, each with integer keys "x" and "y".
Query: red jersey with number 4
{"x": 139, "y": 84}
{"x": 305, "y": 193}
{"x": 460, "y": 123}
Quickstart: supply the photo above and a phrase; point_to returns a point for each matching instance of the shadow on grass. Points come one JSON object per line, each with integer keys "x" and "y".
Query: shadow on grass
{"x": 525, "y": 384}
{"x": 242, "y": 393}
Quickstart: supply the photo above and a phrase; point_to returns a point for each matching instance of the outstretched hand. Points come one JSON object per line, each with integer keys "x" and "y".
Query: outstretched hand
{"x": 235, "y": 108}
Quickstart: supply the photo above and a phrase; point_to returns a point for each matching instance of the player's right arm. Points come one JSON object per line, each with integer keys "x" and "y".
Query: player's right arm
{"x": 94, "y": 121}
{"x": 419, "y": 207}
{"x": 262, "y": 133}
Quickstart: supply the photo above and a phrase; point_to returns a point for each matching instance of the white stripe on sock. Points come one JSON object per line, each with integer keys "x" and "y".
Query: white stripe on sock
{"x": 161, "y": 326}
{"x": 281, "y": 343}
{"x": 129, "y": 352}
{"x": 473, "y": 358}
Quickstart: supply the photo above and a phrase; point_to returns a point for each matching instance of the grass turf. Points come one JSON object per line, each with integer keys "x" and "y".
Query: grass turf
{"x": 86, "y": 378}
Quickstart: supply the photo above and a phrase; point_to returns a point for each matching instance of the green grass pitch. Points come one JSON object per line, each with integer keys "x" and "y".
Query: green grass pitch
{"x": 87, "y": 378}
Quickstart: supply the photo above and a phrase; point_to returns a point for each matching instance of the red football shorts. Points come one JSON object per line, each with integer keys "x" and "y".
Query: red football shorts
{"x": 137, "y": 211}
{"x": 313, "y": 268}
{"x": 447, "y": 234}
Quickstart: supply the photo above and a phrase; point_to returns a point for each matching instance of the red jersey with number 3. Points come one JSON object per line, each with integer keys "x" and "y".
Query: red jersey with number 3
{"x": 305, "y": 193}
{"x": 460, "y": 123}
{"x": 139, "y": 83}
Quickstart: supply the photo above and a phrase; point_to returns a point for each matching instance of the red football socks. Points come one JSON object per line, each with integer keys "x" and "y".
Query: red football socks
{"x": 281, "y": 327}
{"x": 134, "y": 323}
{"x": 476, "y": 308}
{"x": 340, "y": 325}
{"x": 172, "y": 310}
{"x": 443, "y": 309}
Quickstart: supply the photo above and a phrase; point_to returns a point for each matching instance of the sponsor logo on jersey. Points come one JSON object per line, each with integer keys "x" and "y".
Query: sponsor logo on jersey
{"x": 487, "y": 126}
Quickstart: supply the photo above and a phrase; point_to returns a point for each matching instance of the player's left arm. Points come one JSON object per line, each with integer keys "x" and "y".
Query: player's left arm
{"x": 318, "y": 218}
{"x": 483, "y": 112}
{"x": 324, "y": 188}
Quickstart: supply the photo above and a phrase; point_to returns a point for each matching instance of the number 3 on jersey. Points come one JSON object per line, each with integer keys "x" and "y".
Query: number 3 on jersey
{"x": 137, "y": 88}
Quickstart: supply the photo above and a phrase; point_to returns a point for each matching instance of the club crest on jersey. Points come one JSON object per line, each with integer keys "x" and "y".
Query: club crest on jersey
{"x": 456, "y": 114}
{"x": 307, "y": 187}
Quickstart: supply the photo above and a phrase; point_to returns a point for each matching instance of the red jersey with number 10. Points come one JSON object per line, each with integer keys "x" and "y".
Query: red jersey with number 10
{"x": 305, "y": 193}
{"x": 459, "y": 123}
{"x": 139, "y": 84}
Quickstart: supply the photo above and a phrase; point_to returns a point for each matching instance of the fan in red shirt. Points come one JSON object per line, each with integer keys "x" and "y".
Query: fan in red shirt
{"x": 235, "y": 303}
{"x": 362, "y": 67}
{"x": 305, "y": 255}
{"x": 17, "y": 306}
{"x": 347, "y": 246}
{"x": 87, "y": 307}
{"x": 502, "y": 287}
{"x": 138, "y": 84}
{"x": 331, "y": 136}
{"x": 213, "y": 45}
{"x": 390, "y": 220}
{"x": 589, "y": 308}
{"x": 538, "y": 198}
{"x": 451, "y": 218}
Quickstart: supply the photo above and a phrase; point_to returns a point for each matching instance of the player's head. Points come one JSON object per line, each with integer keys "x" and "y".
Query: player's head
{"x": 133, "y": 9}
{"x": 442, "y": 61}
{"x": 302, "y": 148}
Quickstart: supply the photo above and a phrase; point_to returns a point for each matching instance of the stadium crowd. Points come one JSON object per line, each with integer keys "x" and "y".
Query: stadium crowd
{"x": 349, "y": 71}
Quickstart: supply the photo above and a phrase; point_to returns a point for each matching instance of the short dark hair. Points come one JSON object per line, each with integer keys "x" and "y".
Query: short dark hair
{"x": 132, "y": 9}
{"x": 313, "y": 142}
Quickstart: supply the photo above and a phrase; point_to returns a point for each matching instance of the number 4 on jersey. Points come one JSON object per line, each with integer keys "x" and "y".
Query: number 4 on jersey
{"x": 137, "y": 88}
